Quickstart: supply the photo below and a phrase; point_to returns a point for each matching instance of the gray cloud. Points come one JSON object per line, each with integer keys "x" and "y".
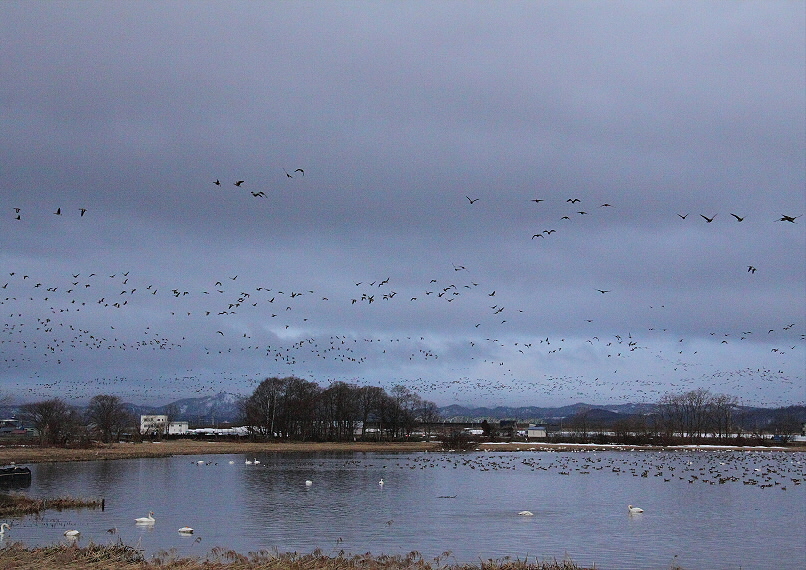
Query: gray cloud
{"x": 399, "y": 114}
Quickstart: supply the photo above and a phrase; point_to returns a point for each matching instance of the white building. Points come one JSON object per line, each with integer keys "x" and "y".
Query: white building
{"x": 154, "y": 424}
{"x": 536, "y": 432}
{"x": 178, "y": 428}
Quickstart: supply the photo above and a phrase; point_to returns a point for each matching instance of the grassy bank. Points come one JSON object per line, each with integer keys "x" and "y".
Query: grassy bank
{"x": 123, "y": 557}
{"x": 35, "y": 454}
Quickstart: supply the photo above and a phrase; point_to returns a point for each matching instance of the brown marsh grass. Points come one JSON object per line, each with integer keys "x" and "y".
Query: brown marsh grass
{"x": 15, "y": 505}
{"x": 122, "y": 557}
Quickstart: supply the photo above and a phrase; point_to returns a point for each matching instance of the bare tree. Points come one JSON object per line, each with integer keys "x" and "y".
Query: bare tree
{"x": 428, "y": 415}
{"x": 108, "y": 415}
{"x": 53, "y": 419}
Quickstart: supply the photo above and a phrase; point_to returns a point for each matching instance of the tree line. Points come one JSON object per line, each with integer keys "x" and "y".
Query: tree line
{"x": 298, "y": 409}
{"x": 695, "y": 416}
{"x": 106, "y": 417}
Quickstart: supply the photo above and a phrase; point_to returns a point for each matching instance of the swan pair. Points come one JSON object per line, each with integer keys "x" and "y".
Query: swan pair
{"x": 146, "y": 520}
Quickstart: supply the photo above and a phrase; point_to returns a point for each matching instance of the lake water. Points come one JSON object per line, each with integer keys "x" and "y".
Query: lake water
{"x": 466, "y": 503}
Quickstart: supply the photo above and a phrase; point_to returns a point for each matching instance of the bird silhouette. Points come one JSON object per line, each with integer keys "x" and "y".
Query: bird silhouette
{"x": 738, "y": 219}
{"x": 239, "y": 182}
{"x": 472, "y": 200}
{"x": 707, "y": 219}
{"x": 683, "y": 216}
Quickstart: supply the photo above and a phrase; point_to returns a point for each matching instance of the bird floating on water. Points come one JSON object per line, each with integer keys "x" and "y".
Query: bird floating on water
{"x": 72, "y": 533}
{"x": 526, "y": 514}
{"x": 634, "y": 510}
{"x": 185, "y": 530}
{"x": 146, "y": 520}
{"x": 4, "y": 527}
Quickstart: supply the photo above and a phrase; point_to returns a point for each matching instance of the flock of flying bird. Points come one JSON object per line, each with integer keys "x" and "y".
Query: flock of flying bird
{"x": 57, "y": 321}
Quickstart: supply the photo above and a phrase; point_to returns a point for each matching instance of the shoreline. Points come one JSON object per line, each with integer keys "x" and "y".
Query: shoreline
{"x": 121, "y": 556}
{"x": 22, "y": 455}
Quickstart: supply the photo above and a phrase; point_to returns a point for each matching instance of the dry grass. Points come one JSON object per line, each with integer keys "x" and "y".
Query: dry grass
{"x": 119, "y": 556}
{"x": 36, "y": 454}
{"x": 14, "y": 505}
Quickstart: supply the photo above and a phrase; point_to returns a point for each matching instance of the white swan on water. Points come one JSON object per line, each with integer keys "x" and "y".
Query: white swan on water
{"x": 72, "y": 533}
{"x": 526, "y": 514}
{"x": 308, "y": 483}
{"x": 4, "y": 527}
{"x": 247, "y": 462}
{"x": 380, "y": 482}
{"x": 185, "y": 530}
{"x": 146, "y": 520}
{"x": 634, "y": 510}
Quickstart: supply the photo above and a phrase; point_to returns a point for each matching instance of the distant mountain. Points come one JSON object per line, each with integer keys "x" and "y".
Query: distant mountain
{"x": 205, "y": 410}
{"x": 538, "y": 414}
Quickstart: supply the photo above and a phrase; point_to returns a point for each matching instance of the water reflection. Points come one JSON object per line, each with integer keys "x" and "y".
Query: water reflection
{"x": 709, "y": 509}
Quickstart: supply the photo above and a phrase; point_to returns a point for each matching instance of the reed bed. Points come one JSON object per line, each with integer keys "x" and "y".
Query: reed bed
{"x": 14, "y": 505}
{"x": 119, "y": 556}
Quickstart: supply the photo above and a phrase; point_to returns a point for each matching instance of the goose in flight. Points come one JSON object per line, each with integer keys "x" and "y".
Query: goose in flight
{"x": 238, "y": 183}
{"x": 707, "y": 219}
{"x": 683, "y": 216}
{"x": 785, "y": 218}
{"x": 472, "y": 200}
{"x": 217, "y": 182}
{"x": 738, "y": 219}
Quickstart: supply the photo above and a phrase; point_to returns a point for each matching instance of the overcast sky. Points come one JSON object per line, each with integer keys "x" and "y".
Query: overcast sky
{"x": 387, "y": 230}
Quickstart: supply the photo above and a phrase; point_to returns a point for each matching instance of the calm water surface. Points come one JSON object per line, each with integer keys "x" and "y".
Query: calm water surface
{"x": 436, "y": 502}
